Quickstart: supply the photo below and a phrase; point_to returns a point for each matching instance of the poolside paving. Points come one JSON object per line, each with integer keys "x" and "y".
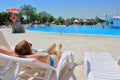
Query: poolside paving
{"x": 79, "y": 44}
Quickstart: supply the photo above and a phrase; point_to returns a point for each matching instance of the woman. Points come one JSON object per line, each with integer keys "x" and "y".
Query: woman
{"x": 24, "y": 49}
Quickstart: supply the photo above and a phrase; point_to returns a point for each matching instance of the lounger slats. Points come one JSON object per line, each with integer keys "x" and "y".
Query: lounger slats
{"x": 100, "y": 66}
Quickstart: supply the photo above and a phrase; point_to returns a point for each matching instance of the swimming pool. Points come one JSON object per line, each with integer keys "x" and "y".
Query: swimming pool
{"x": 97, "y": 30}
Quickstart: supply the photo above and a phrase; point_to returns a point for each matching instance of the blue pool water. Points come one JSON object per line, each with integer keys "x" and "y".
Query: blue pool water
{"x": 97, "y": 30}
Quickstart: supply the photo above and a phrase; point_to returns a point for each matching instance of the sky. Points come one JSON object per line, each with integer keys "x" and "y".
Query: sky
{"x": 68, "y": 8}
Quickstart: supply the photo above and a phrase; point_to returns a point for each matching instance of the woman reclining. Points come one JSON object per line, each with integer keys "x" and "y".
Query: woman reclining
{"x": 24, "y": 49}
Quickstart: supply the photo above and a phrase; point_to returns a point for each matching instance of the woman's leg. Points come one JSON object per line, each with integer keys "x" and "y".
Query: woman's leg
{"x": 51, "y": 49}
{"x": 56, "y": 56}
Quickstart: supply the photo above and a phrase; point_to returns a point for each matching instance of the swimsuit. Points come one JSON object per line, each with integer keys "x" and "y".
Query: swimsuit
{"x": 51, "y": 61}
{"x": 50, "y": 57}
{"x": 34, "y": 50}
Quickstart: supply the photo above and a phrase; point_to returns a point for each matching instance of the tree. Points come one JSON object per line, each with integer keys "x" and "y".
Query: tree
{"x": 21, "y": 17}
{"x": 97, "y": 19}
{"x": 28, "y": 11}
{"x": 60, "y": 20}
{"x": 45, "y": 17}
{"x": 4, "y": 18}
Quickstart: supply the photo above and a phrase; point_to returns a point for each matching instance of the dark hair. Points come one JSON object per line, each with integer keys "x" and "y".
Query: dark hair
{"x": 23, "y": 48}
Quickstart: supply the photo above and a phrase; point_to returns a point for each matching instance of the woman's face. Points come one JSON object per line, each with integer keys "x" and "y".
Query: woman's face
{"x": 23, "y": 48}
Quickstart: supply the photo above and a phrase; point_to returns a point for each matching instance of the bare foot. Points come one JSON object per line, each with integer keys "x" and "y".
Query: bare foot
{"x": 60, "y": 47}
{"x": 59, "y": 50}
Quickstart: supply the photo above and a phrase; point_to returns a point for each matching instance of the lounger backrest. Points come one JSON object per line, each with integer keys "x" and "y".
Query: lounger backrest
{"x": 3, "y": 41}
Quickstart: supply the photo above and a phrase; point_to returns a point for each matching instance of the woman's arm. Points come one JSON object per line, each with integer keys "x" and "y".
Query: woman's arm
{"x": 37, "y": 55}
{"x": 6, "y": 50}
{"x": 43, "y": 57}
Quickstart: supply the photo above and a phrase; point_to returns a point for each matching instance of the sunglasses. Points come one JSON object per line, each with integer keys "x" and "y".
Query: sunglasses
{"x": 30, "y": 44}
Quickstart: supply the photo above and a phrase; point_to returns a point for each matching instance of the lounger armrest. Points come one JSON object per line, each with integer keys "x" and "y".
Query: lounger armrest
{"x": 13, "y": 58}
{"x": 64, "y": 56}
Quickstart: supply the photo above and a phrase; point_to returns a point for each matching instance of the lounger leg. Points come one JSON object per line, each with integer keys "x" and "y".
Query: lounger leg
{"x": 73, "y": 75}
{"x": 12, "y": 74}
{"x": 47, "y": 76}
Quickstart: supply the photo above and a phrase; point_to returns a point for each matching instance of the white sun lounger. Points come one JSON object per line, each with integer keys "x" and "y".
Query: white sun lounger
{"x": 100, "y": 66}
{"x": 7, "y": 68}
{"x": 32, "y": 69}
